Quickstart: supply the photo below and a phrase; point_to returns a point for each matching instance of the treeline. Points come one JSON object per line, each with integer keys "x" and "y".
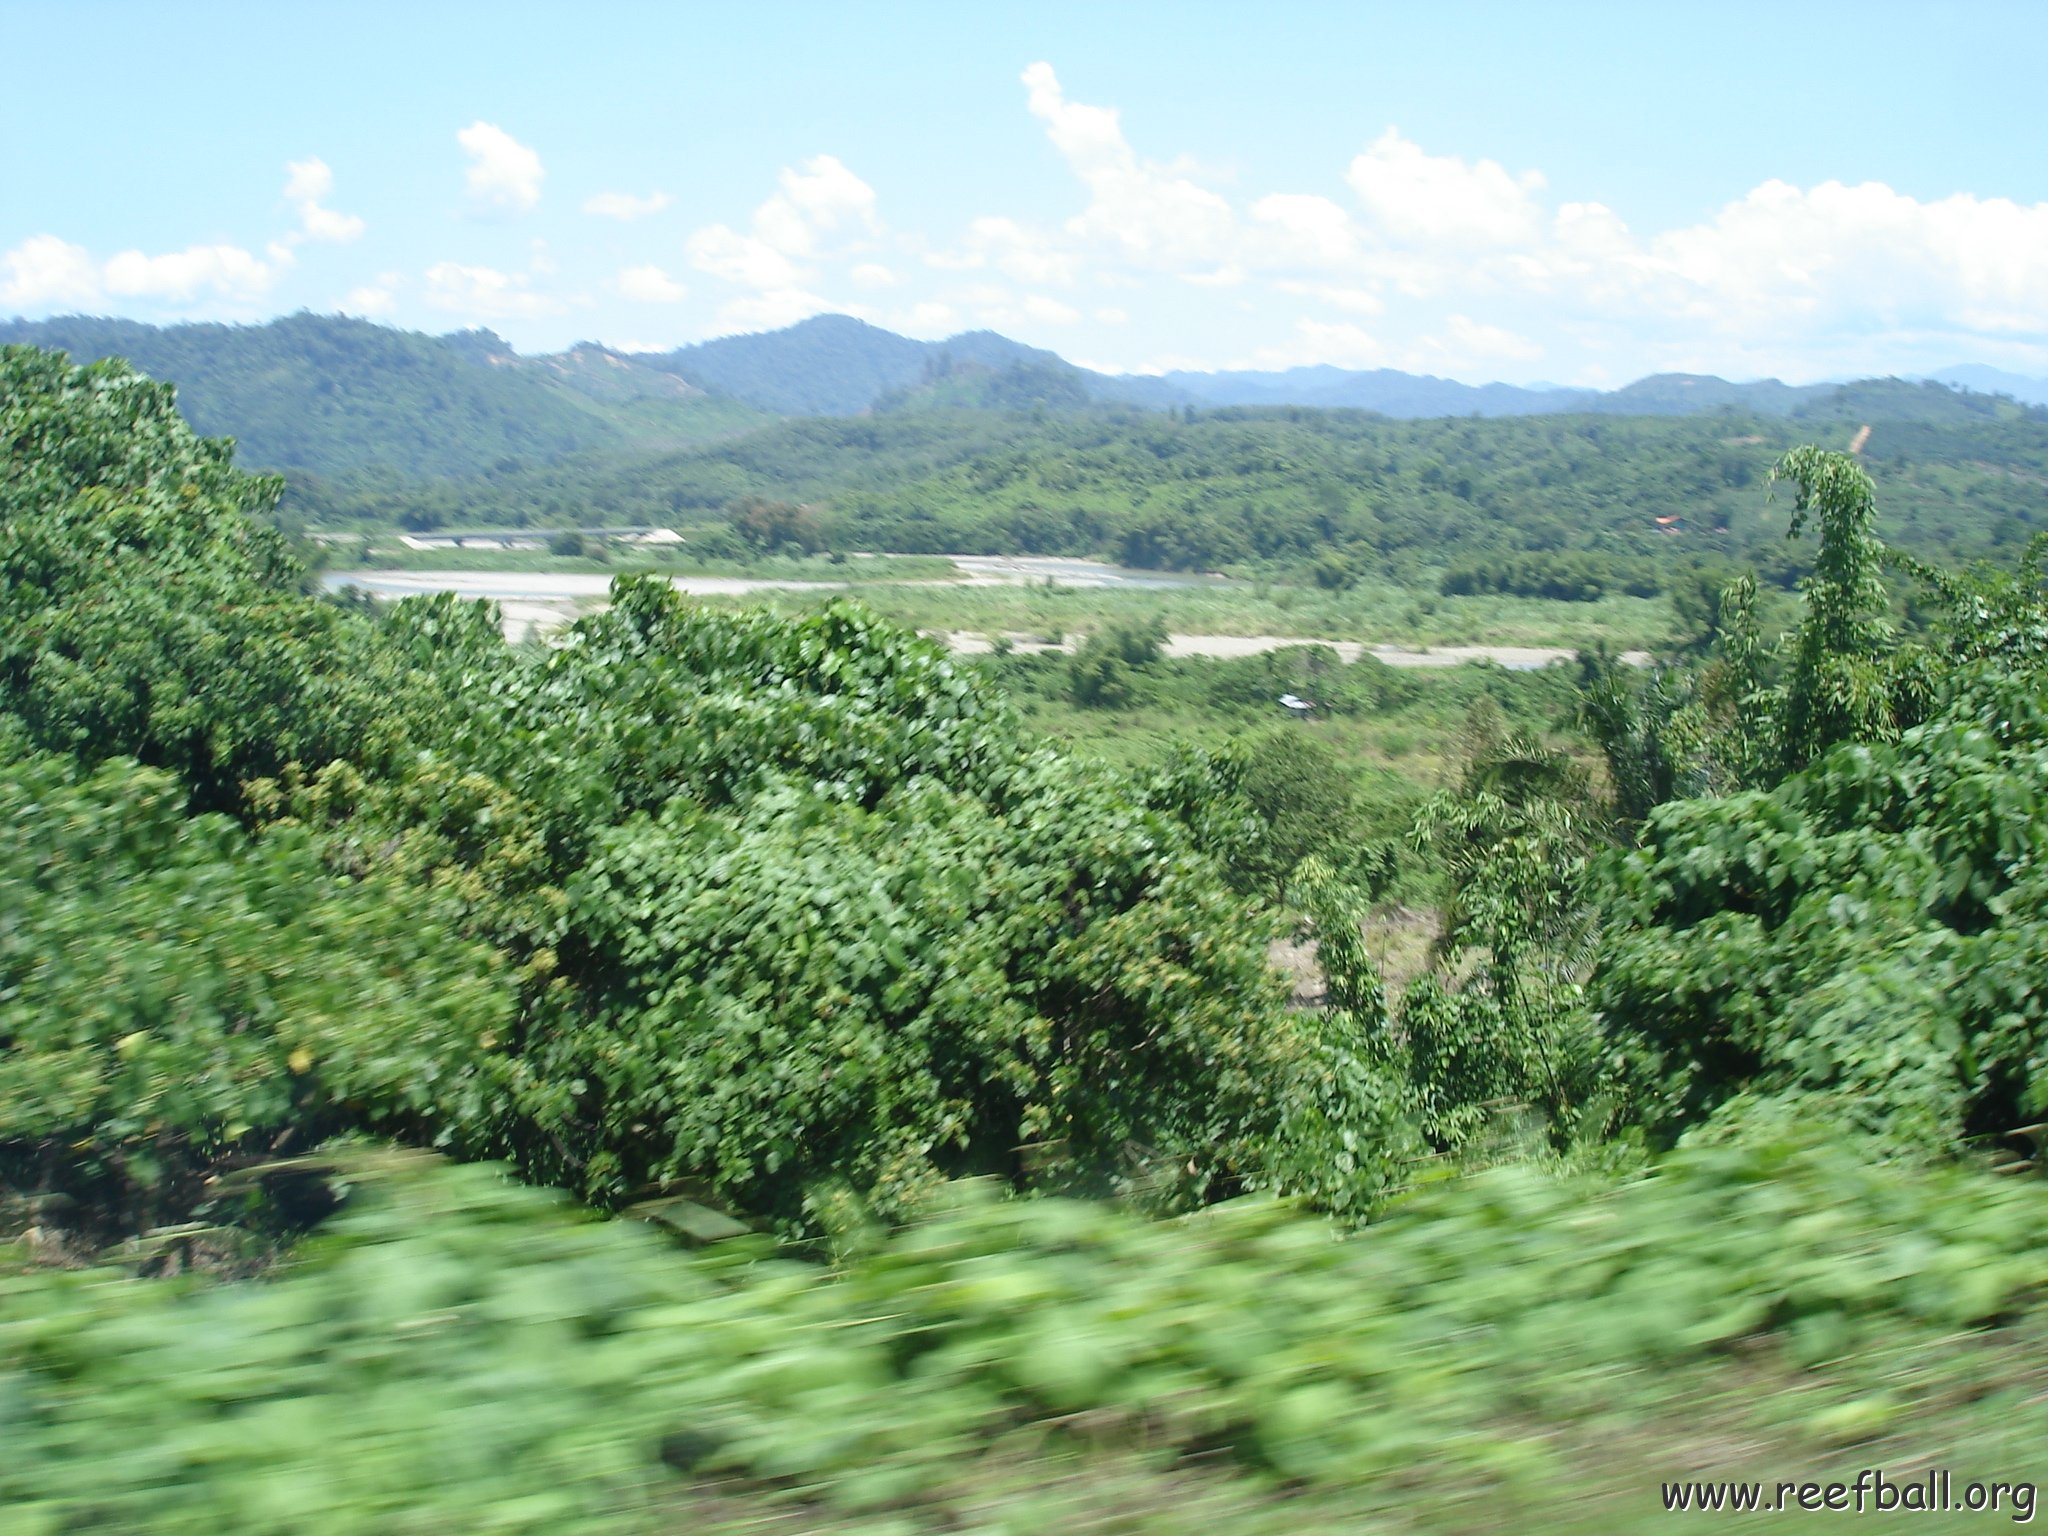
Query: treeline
{"x": 378, "y": 413}
{"x": 1615, "y": 502}
{"x": 1563, "y": 578}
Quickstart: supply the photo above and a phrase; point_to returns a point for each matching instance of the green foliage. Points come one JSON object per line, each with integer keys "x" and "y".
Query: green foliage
{"x": 178, "y": 999}
{"x": 1572, "y": 578}
{"x": 788, "y": 905}
{"x": 1867, "y": 931}
{"x": 369, "y": 409}
{"x": 1498, "y": 1025}
{"x": 1105, "y": 668}
{"x": 459, "y": 1352}
{"x": 146, "y": 612}
{"x": 1652, "y": 731}
{"x": 771, "y": 526}
{"x": 1303, "y": 798}
{"x": 1837, "y": 689}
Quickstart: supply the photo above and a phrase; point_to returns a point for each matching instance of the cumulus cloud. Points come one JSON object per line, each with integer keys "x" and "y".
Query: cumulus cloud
{"x": 776, "y": 258}
{"x": 372, "y": 300}
{"x": 1151, "y": 212}
{"x": 1423, "y": 199}
{"x": 307, "y": 183}
{"x": 746, "y": 260}
{"x": 1831, "y": 278}
{"x": 624, "y": 206}
{"x": 1339, "y": 344}
{"x": 932, "y": 318}
{"x": 44, "y": 270}
{"x": 1302, "y": 230}
{"x": 502, "y": 172}
{"x": 1470, "y": 341}
{"x": 226, "y": 271}
{"x": 484, "y": 293}
{"x": 651, "y": 285}
{"x": 1356, "y": 301}
{"x": 820, "y": 210}
{"x": 821, "y": 196}
{"x": 1019, "y": 252}
{"x": 775, "y": 308}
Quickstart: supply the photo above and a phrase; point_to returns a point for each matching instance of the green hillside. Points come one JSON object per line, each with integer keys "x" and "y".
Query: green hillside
{"x": 1203, "y": 490}
{"x": 341, "y": 397}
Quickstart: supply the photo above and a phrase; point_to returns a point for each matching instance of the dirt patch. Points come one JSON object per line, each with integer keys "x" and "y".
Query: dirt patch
{"x": 1399, "y": 939}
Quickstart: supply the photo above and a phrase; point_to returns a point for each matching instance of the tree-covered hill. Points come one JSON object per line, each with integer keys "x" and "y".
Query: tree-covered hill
{"x": 833, "y": 365}
{"x": 1415, "y": 500}
{"x": 342, "y": 397}
{"x": 351, "y": 401}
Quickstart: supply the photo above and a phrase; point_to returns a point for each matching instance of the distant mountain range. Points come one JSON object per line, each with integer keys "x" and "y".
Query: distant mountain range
{"x": 1995, "y": 381}
{"x": 337, "y": 396}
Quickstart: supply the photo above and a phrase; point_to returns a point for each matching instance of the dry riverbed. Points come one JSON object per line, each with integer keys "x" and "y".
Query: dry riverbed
{"x": 534, "y": 602}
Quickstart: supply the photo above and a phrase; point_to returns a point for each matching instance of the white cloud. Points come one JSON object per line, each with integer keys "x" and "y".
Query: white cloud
{"x": 746, "y": 260}
{"x": 227, "y": 270}
{"x": 44, "y": 270}
{"x": 1049, "y": 311}
{"x": 1297, "y": 229}
{"x": 1865, "y": 255}
{"x": 825, "y": 192}
{"x": 873, "y": 274}
{"x": 502, "y": 172}
{"x": 307, "y": 183}
{"x": 1467, "y": 339}
{"x": 813, "y": 201}
{"x": 370, "y": 301}
{"x": 625, "y": 206}
{"x": 773, "y": 309}
{"x": 1150, "y": 212}
{"x": 1422, "y": 199}
{"x": 484, "y": 293}
{"x": 1336, "y": 343}
{"x": 1112, "y": 316}
{"x": 1019, "y": 252}
{"x": 651, "y": 285}
{"x": 929, "y": 319}
{"x": 1355, "y": 301}
{"x": 1804, "y": 281}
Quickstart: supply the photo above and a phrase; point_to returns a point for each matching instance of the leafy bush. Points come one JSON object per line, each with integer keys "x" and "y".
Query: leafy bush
{"x": 178, "y": 999}
{"x": 788, "y": 908}
{"x": 1102, "y": 670}
{"x": 1869, "y": 930}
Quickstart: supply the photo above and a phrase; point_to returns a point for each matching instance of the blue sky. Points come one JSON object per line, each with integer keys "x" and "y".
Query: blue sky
{"x": 1579, "y": 193}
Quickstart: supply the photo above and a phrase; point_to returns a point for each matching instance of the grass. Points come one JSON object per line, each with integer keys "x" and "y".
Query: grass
{"x": 1371, "y": 614}
{"x": 916, "y": 590}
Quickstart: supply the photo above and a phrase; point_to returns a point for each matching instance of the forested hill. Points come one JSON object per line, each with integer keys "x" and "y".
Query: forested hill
{"x": 1575, "y": 504}
{"x": 341, "y": 397}
{"x": 993, "y": 447}
{"x": 348, "y": 400}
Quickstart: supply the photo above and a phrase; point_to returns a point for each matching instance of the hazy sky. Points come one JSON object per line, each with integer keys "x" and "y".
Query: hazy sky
{"x": 1579, "y": 193}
